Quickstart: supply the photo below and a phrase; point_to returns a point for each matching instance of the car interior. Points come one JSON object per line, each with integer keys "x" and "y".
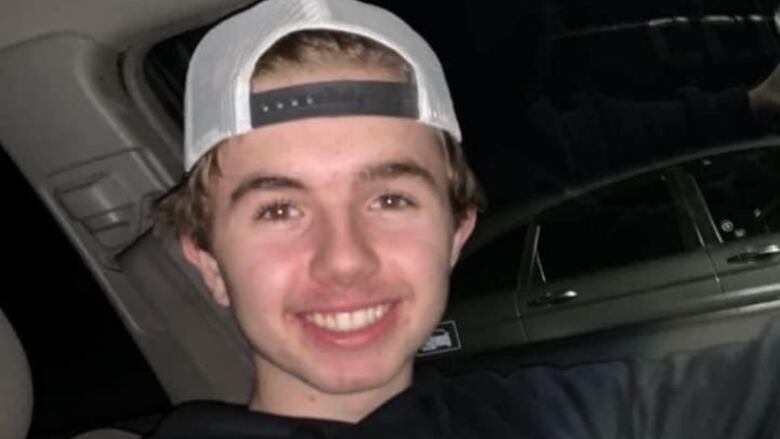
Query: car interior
{"x": 113, "y": 327}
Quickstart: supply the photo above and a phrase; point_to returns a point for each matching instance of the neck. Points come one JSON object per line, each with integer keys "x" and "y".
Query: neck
{"x": 279, "y": 393}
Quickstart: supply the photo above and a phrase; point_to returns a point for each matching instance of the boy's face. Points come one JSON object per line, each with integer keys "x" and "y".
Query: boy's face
{"x": 333, "y": 240}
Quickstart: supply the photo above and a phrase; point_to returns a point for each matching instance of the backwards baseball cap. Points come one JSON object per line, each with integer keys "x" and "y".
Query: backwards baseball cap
{"x": 219, "y": 102}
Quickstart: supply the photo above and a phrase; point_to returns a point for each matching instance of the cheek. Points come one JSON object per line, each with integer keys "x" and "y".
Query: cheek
{"x": 421, "y": 262}
{"x": 421, "y": 254}
{"x": 261, "y": 273}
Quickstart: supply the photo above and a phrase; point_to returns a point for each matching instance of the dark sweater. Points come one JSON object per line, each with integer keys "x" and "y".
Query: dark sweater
{"x": 728, "y": 391}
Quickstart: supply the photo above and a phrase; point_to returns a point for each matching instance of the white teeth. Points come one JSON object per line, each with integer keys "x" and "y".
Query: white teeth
{"x": 359, "y": 318}
{"x": 343, "y": 320}
{"x": 348, "y": 321}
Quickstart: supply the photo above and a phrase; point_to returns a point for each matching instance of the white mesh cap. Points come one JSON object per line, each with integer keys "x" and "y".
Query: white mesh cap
{"x": 217, "y": 97}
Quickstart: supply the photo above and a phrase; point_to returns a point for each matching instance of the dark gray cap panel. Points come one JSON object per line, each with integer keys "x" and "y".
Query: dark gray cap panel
{"x": 338, "y": 98}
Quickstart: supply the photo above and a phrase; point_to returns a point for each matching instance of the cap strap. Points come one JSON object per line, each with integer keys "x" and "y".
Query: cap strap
{"x": 337, "y": 98}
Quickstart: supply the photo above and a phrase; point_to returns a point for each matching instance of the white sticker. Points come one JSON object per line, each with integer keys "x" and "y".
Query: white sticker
{"x": 444, "y": 339}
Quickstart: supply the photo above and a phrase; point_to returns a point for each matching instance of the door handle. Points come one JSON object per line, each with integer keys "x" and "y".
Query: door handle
{"x": 553, "y": 298}
{"x": 756, "y": 255}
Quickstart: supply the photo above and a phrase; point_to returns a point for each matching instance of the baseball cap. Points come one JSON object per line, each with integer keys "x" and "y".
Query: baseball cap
{"x": 219, "y": 102}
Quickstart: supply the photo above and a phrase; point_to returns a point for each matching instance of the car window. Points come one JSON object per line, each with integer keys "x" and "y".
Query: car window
{"x": 629, "y": 222}
{"x": 165, "y": 70}
{"x": 742, "y": 191}
{"x": 492, "y": 267}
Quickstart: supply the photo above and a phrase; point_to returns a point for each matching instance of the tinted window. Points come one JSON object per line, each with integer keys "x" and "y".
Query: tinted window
{"x": 165, "y": 69}
{"x": 492, "y": 267}
{"x": 632, "y": 222}
{"x": 742, "y": 190}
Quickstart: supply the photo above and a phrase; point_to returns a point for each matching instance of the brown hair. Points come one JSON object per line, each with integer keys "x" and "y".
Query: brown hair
{"x": 187, "y": 208}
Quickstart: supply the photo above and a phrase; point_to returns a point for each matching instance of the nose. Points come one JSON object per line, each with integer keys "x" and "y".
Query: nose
{"x": 345, "y": 255}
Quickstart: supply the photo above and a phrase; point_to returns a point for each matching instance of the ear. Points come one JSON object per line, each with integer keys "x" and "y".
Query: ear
{"x": 208, "y": 267}
{"x": 462, "y": 234}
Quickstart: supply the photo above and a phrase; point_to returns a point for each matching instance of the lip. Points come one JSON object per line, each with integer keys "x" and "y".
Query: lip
{"x": 353, "y": 339}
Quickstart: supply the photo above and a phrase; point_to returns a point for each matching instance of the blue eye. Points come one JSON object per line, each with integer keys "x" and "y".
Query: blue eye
{"x": 278, "y": 211}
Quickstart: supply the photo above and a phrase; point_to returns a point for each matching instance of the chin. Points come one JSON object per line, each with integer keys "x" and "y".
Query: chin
{"x": 349, "y": 377}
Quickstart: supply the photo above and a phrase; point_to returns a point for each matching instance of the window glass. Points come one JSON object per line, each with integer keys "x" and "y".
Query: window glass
{"x": 492, "y": 267}
{"x": 632, "y": 222}
{"x": 742, "y": 190}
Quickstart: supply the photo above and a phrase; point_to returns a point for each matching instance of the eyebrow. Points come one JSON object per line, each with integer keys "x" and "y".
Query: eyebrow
{"x": 380, "y": 171}
{"x": 397, "y": 169}
{"x": 263, "y": 182}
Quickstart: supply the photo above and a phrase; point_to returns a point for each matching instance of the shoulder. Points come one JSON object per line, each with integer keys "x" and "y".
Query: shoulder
{"x": 211, "y": 419}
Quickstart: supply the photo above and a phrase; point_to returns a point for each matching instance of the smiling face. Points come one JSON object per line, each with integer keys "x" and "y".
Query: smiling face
{"x": 333, "y": 239}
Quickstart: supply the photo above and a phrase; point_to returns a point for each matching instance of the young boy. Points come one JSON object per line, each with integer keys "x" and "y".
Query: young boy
{"x": 326, "y": 202}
